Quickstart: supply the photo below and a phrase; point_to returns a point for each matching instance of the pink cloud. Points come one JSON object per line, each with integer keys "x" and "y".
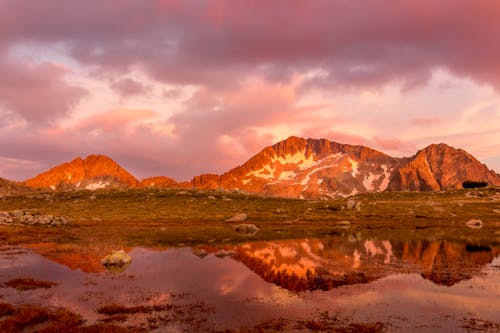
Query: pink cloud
{"x": 421, "y": 121}
{"x": 37, "y": 92}
{"x": 127, "y": 87}
{"x": 216, "y": 42}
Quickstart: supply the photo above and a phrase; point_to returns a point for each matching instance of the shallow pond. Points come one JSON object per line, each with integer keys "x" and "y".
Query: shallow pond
{"x": 290, "y": 285}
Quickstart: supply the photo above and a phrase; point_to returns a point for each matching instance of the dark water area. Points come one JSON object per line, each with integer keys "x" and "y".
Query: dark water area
{"x": 425, "y": 286}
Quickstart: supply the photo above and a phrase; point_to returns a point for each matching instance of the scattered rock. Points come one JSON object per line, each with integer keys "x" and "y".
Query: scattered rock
{"x": 280, "y": 211}
{"x": 29, "y": 217}
{"x": 474, "y": 224}
{"x": 246, "y": 228}
{"x": 200, "y": 253}
{"x": 496, "y": 211}
{"x": 353, "y": 204}
{"x": 92, "y": 197}
{"x": 211, "y": 197}
{"x": 225, "y": 253}
{"x": 237, "y": 218}
{"x": 344, "y": 223}
{"x": 116, "y": 259}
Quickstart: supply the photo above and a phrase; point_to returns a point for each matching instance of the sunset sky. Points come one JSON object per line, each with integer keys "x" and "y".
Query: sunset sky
{"x": 179, "y": 88}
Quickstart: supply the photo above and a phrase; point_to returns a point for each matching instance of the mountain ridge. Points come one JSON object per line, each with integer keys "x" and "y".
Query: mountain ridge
{"x": 297, "y": 168}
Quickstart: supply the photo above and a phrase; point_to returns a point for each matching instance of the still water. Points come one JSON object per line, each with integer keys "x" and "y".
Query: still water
{"x": 425, "y": 286}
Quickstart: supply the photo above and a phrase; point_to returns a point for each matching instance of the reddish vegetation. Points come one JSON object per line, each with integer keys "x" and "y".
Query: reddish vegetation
{"x": 31, "y": 318}
{"x": 23, "y": 284}
{"x": 114, "y": 309}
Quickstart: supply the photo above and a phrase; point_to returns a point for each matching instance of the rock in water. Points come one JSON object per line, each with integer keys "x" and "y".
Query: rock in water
{"x": 238, "y": 217}
{"x": 246, "y": 228}
{"x": 116, "y": 259}
{"x": 474, "y": 224}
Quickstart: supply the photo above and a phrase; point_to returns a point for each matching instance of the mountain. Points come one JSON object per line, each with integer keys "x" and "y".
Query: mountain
{"x": 309, "y": 168}
{"x": 158, "y": 182}
{"x": 440, "y": 167}
{"x": 93, "y": 172}
{"x": 8, "y": 187}
{"x": 296, "y": 168}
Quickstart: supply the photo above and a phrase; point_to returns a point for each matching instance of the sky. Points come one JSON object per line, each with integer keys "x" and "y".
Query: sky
{"x": 179, "y": 87}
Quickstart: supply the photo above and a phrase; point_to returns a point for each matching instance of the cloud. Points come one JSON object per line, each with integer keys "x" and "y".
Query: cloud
{"x": 217, "y": 42}
{"x": 37, "y": 92}
{"x": 127, "y": 87}
{"x": 200, "y": 86}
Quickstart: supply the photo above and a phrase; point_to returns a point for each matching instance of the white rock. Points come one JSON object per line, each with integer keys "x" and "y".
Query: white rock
{"x": 474, "y": 224}
{"x": 238, "y": 217}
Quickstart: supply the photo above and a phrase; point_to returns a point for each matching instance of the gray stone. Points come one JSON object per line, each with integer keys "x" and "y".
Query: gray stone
{"x": 225, "y": 253}
{"x": 237, "y": 218}
{"x": 343, "y": 223}
{"x": 17, "y": 213}
{"x": 474, "y": 224}
{"x": 246, "y": 228}
{"x": 351, "y": 204}
{"x": 200, "y": 253}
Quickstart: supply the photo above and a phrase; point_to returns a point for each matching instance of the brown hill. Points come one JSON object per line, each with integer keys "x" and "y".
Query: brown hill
{"x": 93, "y": 172}
{"x": 158, "y": 182}
{"x": 8, "y": 187}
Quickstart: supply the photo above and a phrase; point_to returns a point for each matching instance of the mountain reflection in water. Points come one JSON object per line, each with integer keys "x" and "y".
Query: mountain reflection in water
{"x": 310, "y": 264}
{"x": 378, "y": 281}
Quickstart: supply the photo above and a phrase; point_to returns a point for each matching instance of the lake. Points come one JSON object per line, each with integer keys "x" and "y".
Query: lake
{"x": 342, "y": 283}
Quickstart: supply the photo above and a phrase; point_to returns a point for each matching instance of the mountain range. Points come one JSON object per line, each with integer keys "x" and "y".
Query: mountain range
{"x": 295, "y": 167}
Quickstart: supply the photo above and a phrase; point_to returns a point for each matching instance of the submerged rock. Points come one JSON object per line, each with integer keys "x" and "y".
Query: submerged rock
{"x": 247, "y": 229}
{"x": 116, "y": 259}
{"x": 224, "y": 253}
{"x": 237, "y": 218}
{"x": 474, "y": 224}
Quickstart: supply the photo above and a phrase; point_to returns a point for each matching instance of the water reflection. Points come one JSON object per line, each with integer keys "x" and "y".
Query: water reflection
{"x": 310, "y": 264}
{"x": 360, "y": 280}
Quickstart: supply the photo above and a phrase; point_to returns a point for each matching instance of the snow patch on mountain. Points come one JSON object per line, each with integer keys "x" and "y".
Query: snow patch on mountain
{"x": 354, "y": 167}
{"x": 298, "y": 158}
{"x": 95, "y": 186}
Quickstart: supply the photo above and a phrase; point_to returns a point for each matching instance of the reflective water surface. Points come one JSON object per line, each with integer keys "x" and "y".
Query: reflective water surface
{"x": 405, "y": 285}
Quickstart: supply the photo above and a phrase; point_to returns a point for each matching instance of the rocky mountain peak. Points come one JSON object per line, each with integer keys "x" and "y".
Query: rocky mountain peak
{"x": 93, "y": 172}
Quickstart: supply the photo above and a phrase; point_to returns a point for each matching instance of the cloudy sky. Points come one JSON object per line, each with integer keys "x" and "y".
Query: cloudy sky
{"x": 177, "y": 88}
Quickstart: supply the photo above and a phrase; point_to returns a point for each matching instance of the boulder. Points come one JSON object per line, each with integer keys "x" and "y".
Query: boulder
{"x": 116, "y": 258}
{"x": 224, "y": 253}
{"x": 246, "y": 228}
{"x": 237, "y": 218}
{"x": 474, "y": 224}
{"x": 353, "y": 204}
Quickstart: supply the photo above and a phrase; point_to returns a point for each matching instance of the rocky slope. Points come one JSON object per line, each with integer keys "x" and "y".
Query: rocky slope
{"x": 312, "y": 168}
{"x": 93, "y": 172}
{"x": 440, "y": 167}
{"x": 8, "y": 187}
{"x": 158, "y": 182}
